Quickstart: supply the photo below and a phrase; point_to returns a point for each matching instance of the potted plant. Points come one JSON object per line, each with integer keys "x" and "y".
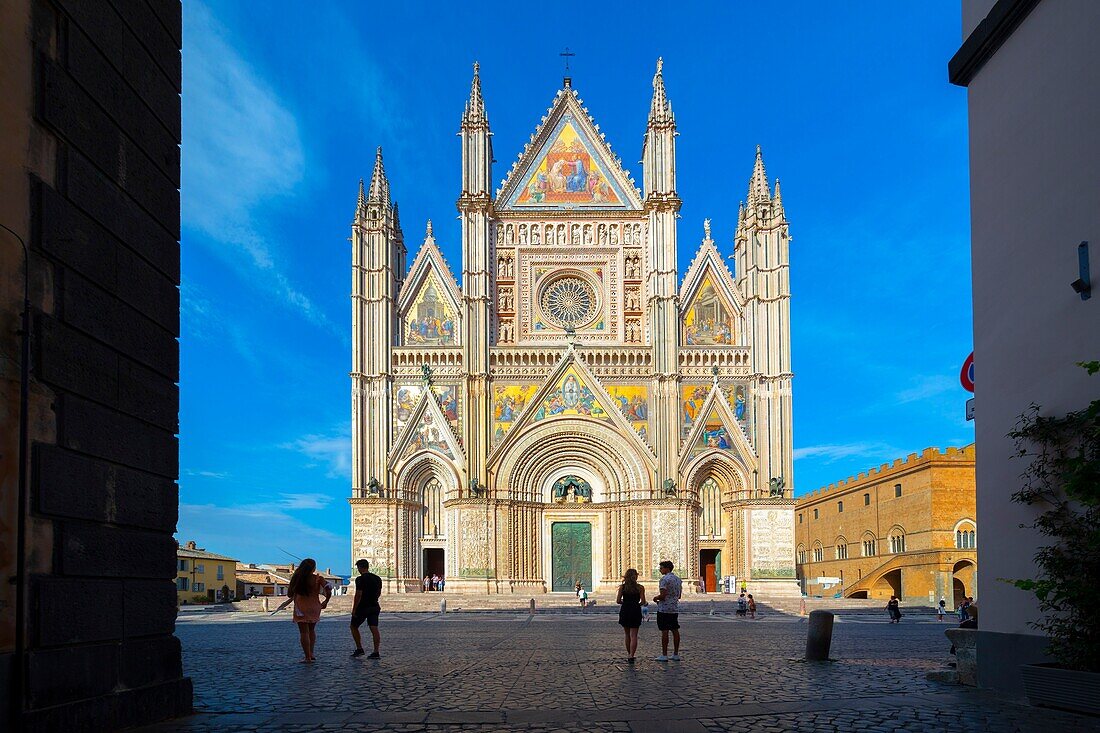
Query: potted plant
{"x": 1062, "y": 480}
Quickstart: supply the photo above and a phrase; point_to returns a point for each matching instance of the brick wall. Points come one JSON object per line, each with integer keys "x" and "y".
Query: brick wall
{"x": 100, "y": 192}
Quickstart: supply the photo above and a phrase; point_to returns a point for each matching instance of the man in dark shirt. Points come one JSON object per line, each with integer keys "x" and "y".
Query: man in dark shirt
{"x": 368, "y": 587}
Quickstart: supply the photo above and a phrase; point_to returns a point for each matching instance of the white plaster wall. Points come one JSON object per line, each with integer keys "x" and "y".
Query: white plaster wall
{"x": 1035, "y": 194}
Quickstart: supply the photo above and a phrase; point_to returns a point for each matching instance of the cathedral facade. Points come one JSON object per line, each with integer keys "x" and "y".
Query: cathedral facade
{"x": 572, "y": 409}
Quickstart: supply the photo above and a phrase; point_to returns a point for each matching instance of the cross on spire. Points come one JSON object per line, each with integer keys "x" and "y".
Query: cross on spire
{"x": 566, "y": 55}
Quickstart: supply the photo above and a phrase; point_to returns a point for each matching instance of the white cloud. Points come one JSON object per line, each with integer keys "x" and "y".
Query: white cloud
{"x": 241, "y": 151}
{"x": 206, "y": 474}
{"x": 305, "y": 501}
{"x": 830, "y": 453}
{"x": 333, "y": 451}
{"x": 256, "y": 532}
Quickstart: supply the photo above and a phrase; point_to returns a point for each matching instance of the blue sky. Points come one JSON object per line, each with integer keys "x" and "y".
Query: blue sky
{"x": 284, "y": 108}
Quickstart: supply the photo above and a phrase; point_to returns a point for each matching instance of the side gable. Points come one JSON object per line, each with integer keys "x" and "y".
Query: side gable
{"x": 712, "y": 305}
{"x": 428, "y": 302}
{"x": 568, "y": 165}
{"x": 427, "y": 430}
{"x": 718, "y": 429}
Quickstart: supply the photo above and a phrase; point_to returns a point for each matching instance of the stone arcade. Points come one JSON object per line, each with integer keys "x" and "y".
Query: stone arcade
{"x": 571, "y": 410}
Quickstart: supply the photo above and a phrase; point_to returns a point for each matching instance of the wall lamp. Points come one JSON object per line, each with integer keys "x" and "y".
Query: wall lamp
{"x": 1083, "y": 284}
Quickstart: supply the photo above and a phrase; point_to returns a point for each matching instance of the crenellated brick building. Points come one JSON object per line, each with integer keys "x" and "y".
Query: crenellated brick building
{"x": 905, "y": 529}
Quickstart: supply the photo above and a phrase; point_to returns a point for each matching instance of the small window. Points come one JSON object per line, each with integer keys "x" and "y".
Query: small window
{"x": 897, "y": 544}
{"x": 181, "y": 583}
{"x": 840, "y": 507}
{"x": 198, "y": 587}
{"x": 866, "y": 500}
{"x": 200, "y": 568}
{"x": 818, "y": 554}
{"x": 869, "y": 548}
{"x": 815, "y": 514}
{"x": 183, "y": 566}
{"x": 801, "y": 557}
{"x": 800, "y": 518}
{"x": 842, "y": 552}
{"x": 897, "y": 490}
{"x": 221, "y": 572}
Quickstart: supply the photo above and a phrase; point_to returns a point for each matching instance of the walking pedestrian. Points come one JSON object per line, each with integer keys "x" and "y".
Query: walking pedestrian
{"x": 306, "y": 585}
{"x": 631, "y": 598}
{"x": 427, "y": 583}
{"x": 742, "y": 604}
{"x": 893, "y": 608}
{"x": 582, "y": 595}
{"x": 368, "y": 588}
{"x": 442, "y": 583}
{"x": 941, "y": 610}
{"x": 752, "y": 607}
{"x": 668, "y": 610}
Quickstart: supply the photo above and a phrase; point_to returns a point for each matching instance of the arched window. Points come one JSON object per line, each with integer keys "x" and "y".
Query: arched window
{"x": 801, "y": 555}
{"x": 897, "y": 543}
{"x": 710, "y": 496}
{"x": 432, "y": 498}
{"x": 841, "y": 548}
{"x": 819, "y": 555}
{"x": 965, "y": 536}
{"x": 870, "y": 545}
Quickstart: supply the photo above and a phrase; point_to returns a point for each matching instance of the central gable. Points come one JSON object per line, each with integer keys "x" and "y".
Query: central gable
{"x": 568, "y": 166}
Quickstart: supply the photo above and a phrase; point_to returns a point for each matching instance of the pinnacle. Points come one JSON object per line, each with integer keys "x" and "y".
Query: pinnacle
{"x": 379, "y": 186}
{"x": 660, "y": 109}
{"x": 475, "y": 105}
{"x": 362, "y": 203}
{"x": 759, "y": 191}
{"x": 428, "y": 234}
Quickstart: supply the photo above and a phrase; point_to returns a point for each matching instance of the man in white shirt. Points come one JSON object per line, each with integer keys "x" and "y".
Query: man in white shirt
{"x": 668, "y": 610}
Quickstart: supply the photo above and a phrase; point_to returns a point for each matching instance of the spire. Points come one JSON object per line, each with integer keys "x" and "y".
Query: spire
{"x": 660, "y": 109}
{"x": 475, "y": 106}
{"x": 429, "y": 235}
{"x": 758, "y": 185}
{"x": 361, "y": 205}
{"x": 396, "y": 217}
{"x": 777, "y": 200}
{"x": 706, "y": 231}
{"x": 740, "y": 214}
{"x": 379, "y": 186}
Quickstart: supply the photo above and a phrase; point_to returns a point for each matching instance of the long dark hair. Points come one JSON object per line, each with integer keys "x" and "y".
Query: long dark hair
{"x": 299, "y": 582}
{"x": 630, "y": 581}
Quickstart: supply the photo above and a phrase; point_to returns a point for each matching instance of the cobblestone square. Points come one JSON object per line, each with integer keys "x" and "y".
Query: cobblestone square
{"x": 567, "y": 672}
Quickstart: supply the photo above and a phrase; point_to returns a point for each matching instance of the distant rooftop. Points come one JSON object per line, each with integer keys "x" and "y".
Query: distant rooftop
{"x": 191, "y": 550}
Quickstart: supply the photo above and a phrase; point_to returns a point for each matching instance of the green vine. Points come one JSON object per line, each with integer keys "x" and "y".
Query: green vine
{"x": 1063, "y": 478}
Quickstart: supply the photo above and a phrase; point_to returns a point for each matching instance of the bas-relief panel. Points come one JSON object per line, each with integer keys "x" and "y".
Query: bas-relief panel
{"x": 709, "y": 320}
{"x": 474, "y": 539}
{"x": 430, "y": 319}
{"x": 372, "y": 538}
{"x": 771, "y": 537}
{"x": 633, "y": 401}
{"x": 571, "y": 397}
{"x": 568, "y": 174}
{"x": 509, "y": 402}
{"x": 667, "y": 540}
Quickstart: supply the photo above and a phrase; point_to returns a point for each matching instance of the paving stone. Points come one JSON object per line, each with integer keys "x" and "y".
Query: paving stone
{"x": 561, "y": 672}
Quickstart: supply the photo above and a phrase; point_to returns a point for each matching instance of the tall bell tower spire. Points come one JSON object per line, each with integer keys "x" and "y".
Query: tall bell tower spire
{"x": 662, "y": 204}
{"x": 475, "y": 207}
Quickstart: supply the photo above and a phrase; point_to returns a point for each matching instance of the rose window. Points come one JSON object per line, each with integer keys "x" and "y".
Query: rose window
{"x": 569, "y": 302}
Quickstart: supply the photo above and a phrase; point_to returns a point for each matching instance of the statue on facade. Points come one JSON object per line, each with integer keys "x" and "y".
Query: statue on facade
{"x": 426, "y": 373}
{"x": 776, "y": 486}
{"x": 475, "y": 488}
{"x": 374, "y": 488}
{"x": 669, "y": 487}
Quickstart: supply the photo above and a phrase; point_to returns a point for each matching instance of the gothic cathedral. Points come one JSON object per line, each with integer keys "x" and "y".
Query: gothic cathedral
{"x": 571, "y": 409}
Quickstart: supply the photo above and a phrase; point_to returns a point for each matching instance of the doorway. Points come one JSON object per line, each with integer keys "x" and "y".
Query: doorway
{"x": 434, "y": 562}
{"x": 571, "y": 555}
{"x": 710, "y": 567}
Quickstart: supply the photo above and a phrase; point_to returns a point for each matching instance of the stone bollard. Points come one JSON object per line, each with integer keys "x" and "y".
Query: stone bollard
{"x": 819, "y": 636}
{"x": 532, "y": 606}
{"x": 443, "y": 605}
{"x": 965, "y": 642}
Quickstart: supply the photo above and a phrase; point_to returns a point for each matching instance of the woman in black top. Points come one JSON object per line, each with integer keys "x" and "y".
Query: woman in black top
{"x": 894, "y": 610}
{"x": 631, "y": 598}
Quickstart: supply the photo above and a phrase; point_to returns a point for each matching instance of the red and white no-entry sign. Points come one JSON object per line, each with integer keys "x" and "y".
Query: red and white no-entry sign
{"x": 966, "y": 376}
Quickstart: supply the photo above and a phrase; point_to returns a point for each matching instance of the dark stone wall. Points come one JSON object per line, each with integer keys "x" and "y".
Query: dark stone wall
{"x": 104, "y": 238}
